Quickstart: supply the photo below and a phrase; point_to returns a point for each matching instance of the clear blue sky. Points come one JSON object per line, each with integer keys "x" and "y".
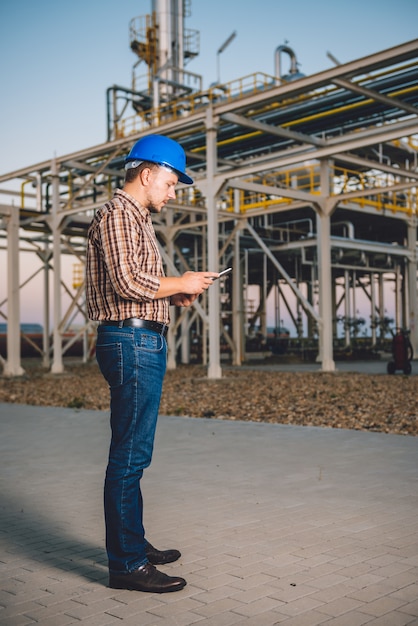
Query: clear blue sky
{"x": 59, "y": 57}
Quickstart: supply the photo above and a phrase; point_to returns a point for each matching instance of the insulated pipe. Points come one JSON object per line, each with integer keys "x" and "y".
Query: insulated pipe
{"x": 112, "y": 122}
{"x": 170, "y": 41}
{"x": 350, "y": 228}
{"x": 277, "y": 64}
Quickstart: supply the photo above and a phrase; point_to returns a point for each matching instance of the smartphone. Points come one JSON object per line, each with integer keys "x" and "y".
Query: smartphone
{"x": 228, "y": 269}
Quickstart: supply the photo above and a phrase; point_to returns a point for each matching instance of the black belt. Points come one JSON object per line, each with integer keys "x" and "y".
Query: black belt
{"x": 159, "y": 328}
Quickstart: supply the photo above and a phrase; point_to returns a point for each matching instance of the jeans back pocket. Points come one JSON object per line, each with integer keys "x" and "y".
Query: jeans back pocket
{"x": 110, "y": 360}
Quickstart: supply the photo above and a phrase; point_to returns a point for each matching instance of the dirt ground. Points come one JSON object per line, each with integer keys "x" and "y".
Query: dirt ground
{"x": 379, "y": 403}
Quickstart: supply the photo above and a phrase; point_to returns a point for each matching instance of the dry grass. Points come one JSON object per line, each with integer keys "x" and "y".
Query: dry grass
{"x": 379, "y": 403}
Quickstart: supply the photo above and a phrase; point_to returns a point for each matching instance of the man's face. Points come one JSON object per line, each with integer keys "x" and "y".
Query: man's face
{"x": 161, "y": 188}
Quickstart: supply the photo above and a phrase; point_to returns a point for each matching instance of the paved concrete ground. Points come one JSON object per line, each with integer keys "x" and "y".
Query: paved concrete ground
{"x": 277, "y": 524}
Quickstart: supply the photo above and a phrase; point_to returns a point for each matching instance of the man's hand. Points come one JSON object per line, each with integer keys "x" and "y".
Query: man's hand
{"x": 182, "y": 299}
{"x": 196, "y": 282}
{"x": 190, "y": 283}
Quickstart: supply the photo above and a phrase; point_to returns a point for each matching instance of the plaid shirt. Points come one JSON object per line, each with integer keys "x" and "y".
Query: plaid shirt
{"x": 123, "y": 264}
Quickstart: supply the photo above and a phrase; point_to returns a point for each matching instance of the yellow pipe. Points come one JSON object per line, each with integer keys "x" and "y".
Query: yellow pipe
{"x": 308, "y": 118}
{"x": 22, "y": 193}
{"x": 347, "y": 107}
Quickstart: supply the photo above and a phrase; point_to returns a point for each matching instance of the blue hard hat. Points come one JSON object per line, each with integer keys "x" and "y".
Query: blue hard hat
{"x": 162, "y": 151}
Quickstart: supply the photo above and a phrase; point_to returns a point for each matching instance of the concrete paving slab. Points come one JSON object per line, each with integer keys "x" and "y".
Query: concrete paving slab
{"x": 277, "y": 524}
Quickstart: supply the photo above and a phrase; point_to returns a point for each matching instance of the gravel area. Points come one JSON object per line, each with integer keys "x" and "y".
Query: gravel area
{"x": 375, "y": 402}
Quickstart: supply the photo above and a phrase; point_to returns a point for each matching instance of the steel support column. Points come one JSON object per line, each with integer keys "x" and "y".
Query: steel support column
{"x": 185, "y": 339}
{"x": 46, "y": 359}
{"x": 325, "y": 293}
{"x": 373, "y": 308}
{"x": 214, "y": 367}
{"x": 324, "y": 274}
{"x": 237, "y": 294}
{"x": 400, "y": 321}
{"x": 171, "y": 339}
{"x": 12, "y": 366}
{"x": 412, "y": 284}
{"x": 57, "y": 363}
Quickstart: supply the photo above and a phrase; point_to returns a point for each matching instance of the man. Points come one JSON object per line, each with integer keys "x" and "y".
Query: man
{"x": 129, "y": 295}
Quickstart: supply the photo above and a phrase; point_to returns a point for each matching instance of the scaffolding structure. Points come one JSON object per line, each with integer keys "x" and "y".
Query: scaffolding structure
{"x": 305, "y": 185}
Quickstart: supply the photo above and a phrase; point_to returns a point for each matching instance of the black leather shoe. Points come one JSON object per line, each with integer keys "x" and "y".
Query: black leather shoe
{"x": 160, "y": 557}
{"x": 146, "y": 578}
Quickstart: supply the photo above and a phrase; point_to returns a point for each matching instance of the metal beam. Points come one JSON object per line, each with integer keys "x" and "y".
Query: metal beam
{"x": 382, "y": 167}
{"x": 335, "y": 148}
{"x": 281, "y": 192}
{"x": 86, "y": 167}
{"x": 279, "y": 131}
{"x": 373, "y": 191}
{"x": 304, "y": 302}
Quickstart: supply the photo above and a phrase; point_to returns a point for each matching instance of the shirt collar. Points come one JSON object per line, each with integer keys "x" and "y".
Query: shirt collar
{"x": 137, "y": 205}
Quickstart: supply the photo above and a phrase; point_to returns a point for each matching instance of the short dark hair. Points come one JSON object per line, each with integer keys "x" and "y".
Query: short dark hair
{"x": 132, "y": 173}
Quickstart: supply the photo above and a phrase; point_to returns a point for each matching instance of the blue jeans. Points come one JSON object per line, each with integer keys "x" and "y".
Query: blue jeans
{"x": 133, "y": 362}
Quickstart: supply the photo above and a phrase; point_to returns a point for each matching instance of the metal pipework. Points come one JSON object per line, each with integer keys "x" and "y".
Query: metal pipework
{"x": 294, "y": 73}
